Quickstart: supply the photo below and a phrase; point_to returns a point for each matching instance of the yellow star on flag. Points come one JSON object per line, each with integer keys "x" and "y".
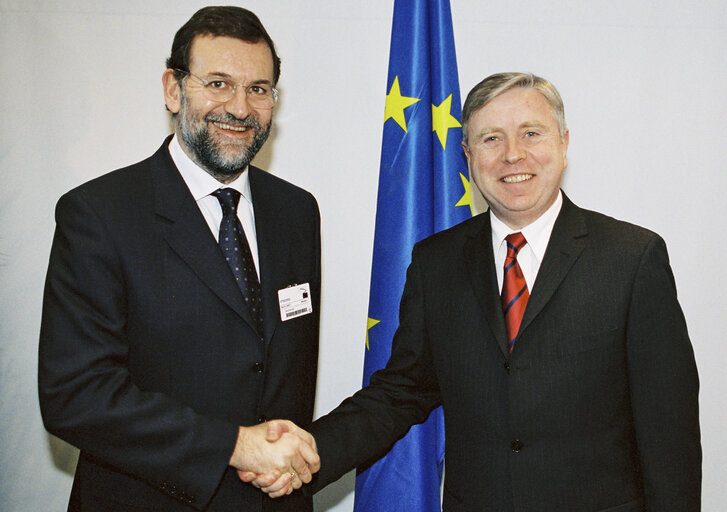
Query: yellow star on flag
{"x": 466, "y": 199}
{"x": 443, "y": 120}
{"x": 396, "y": 103}
{"x": 370, "y": 322}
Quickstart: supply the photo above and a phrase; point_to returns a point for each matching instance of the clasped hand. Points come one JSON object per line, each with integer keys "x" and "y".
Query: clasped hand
{"x": 277, "y": 457}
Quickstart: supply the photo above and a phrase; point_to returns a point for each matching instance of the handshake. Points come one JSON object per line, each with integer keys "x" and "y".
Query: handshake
{"x": 277, "y": 457}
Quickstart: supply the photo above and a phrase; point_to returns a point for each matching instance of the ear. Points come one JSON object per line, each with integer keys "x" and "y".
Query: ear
{"x": 172, "y": 91}
{"x": 466, "y": 151}
{"x": 566, "y": 140}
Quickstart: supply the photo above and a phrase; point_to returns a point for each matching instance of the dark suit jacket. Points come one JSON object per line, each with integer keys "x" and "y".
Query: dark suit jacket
{"x": 149, "y": 360}
{"x": 594, "y": 410}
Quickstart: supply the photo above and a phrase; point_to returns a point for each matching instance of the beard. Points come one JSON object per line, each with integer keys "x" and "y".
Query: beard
{"x": 224, "y": 160}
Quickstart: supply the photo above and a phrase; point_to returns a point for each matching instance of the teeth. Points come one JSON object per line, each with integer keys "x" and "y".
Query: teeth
{"x": 225, "y": 126}
{"x": 517, "y": 178}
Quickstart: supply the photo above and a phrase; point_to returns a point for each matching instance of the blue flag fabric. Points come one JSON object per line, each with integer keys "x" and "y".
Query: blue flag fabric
{"x": 423, "y": 188}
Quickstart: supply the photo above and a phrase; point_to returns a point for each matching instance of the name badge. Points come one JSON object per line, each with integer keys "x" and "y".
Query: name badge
{"x": 295, "y": 301}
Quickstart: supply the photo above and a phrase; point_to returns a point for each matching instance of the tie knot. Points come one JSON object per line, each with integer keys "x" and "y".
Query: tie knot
{"x": 515, "y": 242}
{"x": 228, "y": 198}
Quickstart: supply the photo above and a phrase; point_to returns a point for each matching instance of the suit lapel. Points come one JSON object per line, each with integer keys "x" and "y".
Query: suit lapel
{"x": 565, "y": 246}
{"x": 189, "y": 235}
{"x": 272, "y": 247}
{"x": 481, "y": 264}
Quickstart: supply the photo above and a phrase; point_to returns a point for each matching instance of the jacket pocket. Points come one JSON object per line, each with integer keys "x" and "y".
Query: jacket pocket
{"x": 636, "y": 505}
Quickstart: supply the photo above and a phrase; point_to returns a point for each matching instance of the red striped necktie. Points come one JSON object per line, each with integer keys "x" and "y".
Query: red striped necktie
{"x": 514, "y": 288}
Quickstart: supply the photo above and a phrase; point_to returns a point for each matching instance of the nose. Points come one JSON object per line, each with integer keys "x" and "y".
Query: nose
{"x": 514, "y": 151}
{"x": 237, "y": 105}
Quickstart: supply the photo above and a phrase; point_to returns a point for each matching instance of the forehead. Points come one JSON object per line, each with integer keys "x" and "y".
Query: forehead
{"x": 515, "y": 107}
{"x": 230, "y": 56}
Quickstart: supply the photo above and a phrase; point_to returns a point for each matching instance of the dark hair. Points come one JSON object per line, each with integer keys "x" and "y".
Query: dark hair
{"x": 219, "y": 21}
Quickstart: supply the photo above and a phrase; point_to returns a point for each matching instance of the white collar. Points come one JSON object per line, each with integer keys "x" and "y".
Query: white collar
{"x": 199, "y": 181}
{"x": 536, "y": 233}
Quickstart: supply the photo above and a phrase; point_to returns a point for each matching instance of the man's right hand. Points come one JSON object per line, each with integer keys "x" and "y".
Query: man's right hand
{"x": 275, "y": 483}
{"x": 277, "y": 456}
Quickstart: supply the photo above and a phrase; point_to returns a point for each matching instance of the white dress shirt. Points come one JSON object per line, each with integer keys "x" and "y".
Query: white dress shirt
{"x": 201, "y": 184}
{"x": 531, "y": 255}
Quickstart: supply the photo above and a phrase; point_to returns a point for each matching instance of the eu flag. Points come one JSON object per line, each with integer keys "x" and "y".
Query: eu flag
{"x": 423, "y": 188}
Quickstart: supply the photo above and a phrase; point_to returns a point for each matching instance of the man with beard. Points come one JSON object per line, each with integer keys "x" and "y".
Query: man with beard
{"x": 169, "y": 290}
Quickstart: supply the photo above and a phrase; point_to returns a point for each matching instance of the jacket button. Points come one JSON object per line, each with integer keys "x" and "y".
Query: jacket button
{"x": 507, "y": 367}
{"x": 516, "y": 445}
{"x": 262, "y": 419}
{"x": 259, "y": 367}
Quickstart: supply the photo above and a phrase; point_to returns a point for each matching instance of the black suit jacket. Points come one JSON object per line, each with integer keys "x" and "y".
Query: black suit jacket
{"x": 595, "y": 409}
{"x": 149, "y": 360}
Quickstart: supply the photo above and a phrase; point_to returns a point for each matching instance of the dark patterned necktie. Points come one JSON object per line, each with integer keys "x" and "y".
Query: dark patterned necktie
{"x": 514, "y": 288}
{"x": 237, "y": 253}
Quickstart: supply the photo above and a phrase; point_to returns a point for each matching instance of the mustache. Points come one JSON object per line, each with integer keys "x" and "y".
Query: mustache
{"x": 247, "y": 122}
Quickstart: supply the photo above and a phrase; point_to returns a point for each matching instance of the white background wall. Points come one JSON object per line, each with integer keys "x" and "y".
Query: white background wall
{"x": 80, "y": 94}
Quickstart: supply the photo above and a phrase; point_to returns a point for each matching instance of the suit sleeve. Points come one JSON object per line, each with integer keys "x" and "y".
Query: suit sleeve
{"x": 364, "y": 427}
{"x": 87, "y": 395}
{"x": 664, "y": 388}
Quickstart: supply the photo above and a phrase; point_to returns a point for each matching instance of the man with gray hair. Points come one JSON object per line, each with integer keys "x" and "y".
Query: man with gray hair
{"x": 552, "y": 336}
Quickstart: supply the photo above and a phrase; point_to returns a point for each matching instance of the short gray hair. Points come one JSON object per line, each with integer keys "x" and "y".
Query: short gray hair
{"x": 496, "y": 84}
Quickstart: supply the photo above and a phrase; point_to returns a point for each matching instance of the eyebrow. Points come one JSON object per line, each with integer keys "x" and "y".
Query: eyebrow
{"x": 526, "y": 124}
{"x": 227, "y": 76}
{"x": 534, "y": 124}
{"x": 487, "y": 131}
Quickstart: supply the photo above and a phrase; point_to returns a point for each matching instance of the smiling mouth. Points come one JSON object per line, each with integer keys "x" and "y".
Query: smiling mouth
{"x": 517, "y": 178}
{"x": 230, "y": 127}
